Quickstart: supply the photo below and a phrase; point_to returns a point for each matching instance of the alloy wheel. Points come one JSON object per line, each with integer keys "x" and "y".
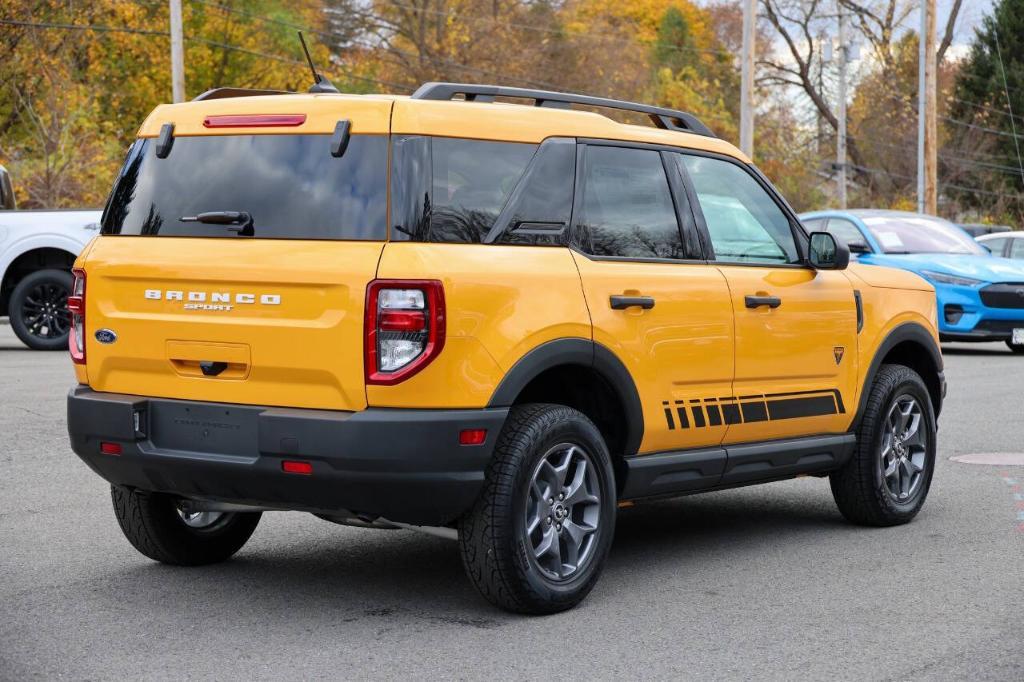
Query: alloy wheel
{"x": 904, "y": 448}
{"x": 45, "y": 311}
{"x": 563, "y": 511}
{"x": 199, "y": 520}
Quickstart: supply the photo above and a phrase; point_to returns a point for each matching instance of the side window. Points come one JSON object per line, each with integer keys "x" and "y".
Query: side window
{"x": 452, "y": 190}
{"x": 744, "y": 222}
{"x": 845, "y": 230}
{"x": 814, "y": 224}
{"x": 1017, "y": 248}
{"x": 627, "y": 205}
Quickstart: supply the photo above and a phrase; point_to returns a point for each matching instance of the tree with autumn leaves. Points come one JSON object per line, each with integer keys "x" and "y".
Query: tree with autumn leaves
{"x": 76, "y": 79}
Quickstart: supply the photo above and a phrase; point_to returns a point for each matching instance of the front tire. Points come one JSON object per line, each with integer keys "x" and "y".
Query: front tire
{"x": 538, "y": 536}
{"x": 156, "y": 526}
{"x": 39, "y": 309}
{"x": 886, "y": 481}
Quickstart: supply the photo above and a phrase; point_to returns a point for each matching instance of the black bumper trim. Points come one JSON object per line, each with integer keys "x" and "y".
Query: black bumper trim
{"x": 400, "y": 464}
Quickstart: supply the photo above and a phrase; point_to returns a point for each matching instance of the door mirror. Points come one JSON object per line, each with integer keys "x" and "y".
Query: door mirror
{"x": 857, "y": 246}
{"x": 826, "y": 253}
{"x": 6, "y": 191}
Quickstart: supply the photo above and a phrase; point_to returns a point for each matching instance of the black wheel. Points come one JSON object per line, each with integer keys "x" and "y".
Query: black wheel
{"x": 1016, "y": 348}
{"x": 537, "y": 538}
{"x": 887, "y": 479}
{"x": 159, "y": 528}
{"x": 39, "y": 309}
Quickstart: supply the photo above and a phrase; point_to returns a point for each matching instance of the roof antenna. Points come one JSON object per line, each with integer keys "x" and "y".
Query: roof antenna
{"x": 320, "y": 84}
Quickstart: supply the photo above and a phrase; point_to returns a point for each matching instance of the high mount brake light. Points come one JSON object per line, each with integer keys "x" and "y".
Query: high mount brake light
{"x": 76, "y": 306}
{"x": 254, "y": 120}
{"x": 404, "y": 328}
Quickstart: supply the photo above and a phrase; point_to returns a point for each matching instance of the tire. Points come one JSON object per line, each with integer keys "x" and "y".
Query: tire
{"x": 499, "y": 554}
{"x": 862, "y": 489}
{"x": 152, "y": 524}
{"x": 39, "y": 309}
{"x": 1018, "y": 348}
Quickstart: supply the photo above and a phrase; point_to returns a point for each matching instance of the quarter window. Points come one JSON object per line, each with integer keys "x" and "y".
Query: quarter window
{"x": 627, "y": 206}
{"x": 744, "y": 222}
{"x": 452, "y": 190}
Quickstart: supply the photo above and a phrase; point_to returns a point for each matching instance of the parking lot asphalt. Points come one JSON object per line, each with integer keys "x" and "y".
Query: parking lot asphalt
{"x": 766, "y": 582}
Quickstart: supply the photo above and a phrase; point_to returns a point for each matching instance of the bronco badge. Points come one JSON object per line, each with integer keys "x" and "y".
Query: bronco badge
{"x": 838, "y": 353}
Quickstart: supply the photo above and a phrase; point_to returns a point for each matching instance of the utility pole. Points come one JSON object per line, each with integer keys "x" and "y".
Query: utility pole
{"x": 927, "y": 132}
{"x": 747, "y": 78}
{"x": 841, "y": 129}
{"x": 177, "y": 53}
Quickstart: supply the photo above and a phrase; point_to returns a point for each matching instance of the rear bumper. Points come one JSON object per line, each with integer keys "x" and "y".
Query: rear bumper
{"x": 400, "y": 464}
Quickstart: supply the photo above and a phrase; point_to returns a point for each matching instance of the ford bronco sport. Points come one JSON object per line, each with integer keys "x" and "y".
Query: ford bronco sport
{"x": 491, "y": 321}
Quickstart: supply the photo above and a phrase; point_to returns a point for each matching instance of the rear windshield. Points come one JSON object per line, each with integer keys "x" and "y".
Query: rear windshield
{"x": 289, "y": 185}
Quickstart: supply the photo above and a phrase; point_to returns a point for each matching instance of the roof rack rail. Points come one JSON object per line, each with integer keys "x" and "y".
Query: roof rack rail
{"x": 669, "y": 119}
{"x": 224, "y": 93}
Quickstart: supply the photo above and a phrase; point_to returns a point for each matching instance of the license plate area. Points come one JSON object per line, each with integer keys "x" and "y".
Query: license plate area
{"x": 204, "y": 428}
{"x": 1017, "y": 337}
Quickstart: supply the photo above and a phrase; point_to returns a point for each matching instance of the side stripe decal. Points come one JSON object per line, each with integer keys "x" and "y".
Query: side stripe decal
{"x": 747, "y": 409}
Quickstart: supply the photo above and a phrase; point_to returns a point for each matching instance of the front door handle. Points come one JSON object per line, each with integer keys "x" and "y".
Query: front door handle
{"x": 758, "y": 301}
{"x": 623, "y": 302}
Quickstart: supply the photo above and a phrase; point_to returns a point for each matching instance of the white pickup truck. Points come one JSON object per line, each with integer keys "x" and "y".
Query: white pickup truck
{"x": 37, "y": 249}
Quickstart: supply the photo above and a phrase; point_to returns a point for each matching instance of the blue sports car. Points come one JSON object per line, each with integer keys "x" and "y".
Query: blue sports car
{"x": 980, "y": 296}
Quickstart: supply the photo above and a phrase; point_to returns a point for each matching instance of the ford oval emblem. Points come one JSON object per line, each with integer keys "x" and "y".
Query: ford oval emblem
{"x": 106, "y": 336}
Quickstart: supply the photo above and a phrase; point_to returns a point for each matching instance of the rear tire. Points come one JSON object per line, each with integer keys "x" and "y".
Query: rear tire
{"x": 886, "y": 481}
{"x": 538, "y": 536}
{"x": 39, "y": 309}
{"x": 155, "y": 527}
{"x": 1016, "y": 348}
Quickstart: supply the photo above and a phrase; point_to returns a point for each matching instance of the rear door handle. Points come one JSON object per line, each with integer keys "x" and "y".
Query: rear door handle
{"x": 758, "y": 301}
{"x": 623, "y": 302}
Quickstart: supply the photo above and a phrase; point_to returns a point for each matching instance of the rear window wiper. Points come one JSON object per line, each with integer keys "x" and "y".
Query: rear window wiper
{"x": 241, "y": 219}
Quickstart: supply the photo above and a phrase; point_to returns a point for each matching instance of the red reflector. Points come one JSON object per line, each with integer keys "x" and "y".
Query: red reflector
{"x": 290, "y": 466}
{"x": 472, "y": 436}
{"x": 76, "y": 304}
{"x": 254, "y": 120}
{"x": 402, "y": 321}
{"x": 110, "y": 448}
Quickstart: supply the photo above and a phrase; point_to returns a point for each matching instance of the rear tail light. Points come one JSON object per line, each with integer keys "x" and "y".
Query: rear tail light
{"x": 76, "y": 306}
{"x": 404, "y": 328}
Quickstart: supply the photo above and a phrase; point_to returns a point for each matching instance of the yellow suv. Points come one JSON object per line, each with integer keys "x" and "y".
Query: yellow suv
{"x": 490, "y": 321}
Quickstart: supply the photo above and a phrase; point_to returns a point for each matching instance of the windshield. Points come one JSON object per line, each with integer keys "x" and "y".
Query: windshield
{"x": 911, "y": 234}
{"x": 289, "y": 186}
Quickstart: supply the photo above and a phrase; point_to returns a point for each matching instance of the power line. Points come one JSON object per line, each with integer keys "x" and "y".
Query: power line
{"x": 962, "y": 188}
{"x": 196, "y": 39}
{"x": 80, "y": 27}
{"x": 555, "y": 31}
{"x": 985, "y": 108}
{"x": 1006, "y": 89}
{"x": 960, "y": 157}
{"x": 436, "y": 60}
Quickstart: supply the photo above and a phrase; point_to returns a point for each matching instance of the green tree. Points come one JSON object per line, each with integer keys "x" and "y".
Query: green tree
{"x": 988, "y": 114}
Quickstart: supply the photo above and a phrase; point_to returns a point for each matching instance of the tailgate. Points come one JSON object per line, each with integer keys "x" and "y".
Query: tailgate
{"x": 264, "y": 322}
